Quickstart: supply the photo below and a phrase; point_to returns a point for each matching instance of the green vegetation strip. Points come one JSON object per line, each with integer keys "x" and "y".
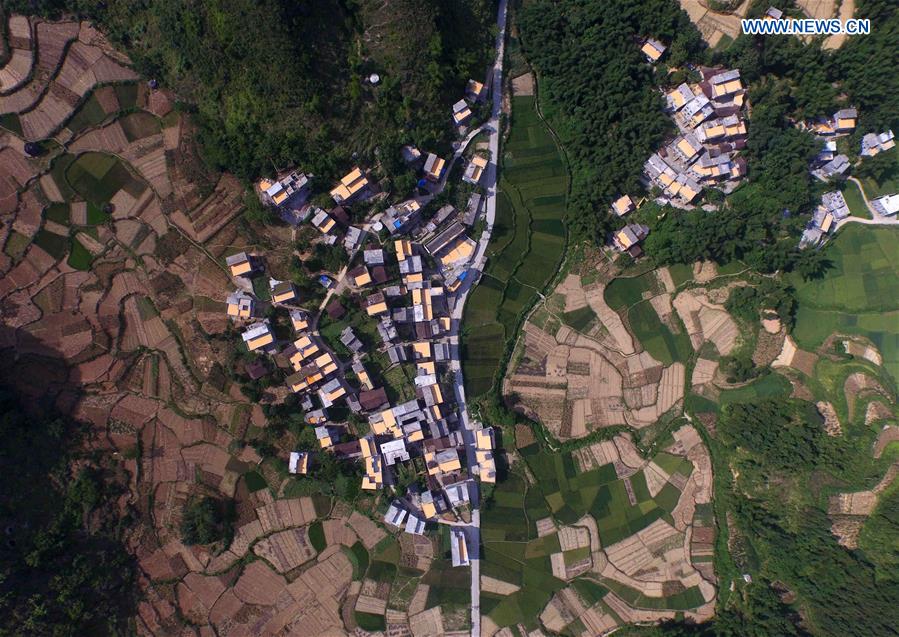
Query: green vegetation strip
{"x": 526, "y": 246}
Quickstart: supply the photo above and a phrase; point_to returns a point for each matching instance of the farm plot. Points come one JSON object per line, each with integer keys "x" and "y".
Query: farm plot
{"x": 860, "y": 295}
{"x": 606, "y": 522}
{"x": 98, "y": 177}
{"x": 571, "y": 372}
{"x": 527, "y": 245}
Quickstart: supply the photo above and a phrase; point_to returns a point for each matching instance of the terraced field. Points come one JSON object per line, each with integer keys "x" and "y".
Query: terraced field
{"x": 596, "y": 519}
{"x": 526, "y": 248}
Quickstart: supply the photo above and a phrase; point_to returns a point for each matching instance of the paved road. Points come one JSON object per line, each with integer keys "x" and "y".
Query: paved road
{"x": 473, "y": 531}
{"x": 877, "y": 218}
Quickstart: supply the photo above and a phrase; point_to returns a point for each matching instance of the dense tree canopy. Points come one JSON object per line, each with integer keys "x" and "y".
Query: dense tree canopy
{"x": 63, "y": 568}
{"x": 278, "y": 82}
{"x": 599, "y": 91}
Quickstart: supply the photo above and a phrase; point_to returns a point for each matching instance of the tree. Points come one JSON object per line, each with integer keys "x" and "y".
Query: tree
{"x": 811, "y": 264}
{"x": 206, "y": 520}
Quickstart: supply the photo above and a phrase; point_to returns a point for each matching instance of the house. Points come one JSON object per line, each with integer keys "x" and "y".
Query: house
{"x": 359, "y": 276}
{"x": 323, "y": 221}
{"x": 457, "y": 493}
{"x": 375, "y": 304}
{"x": 324, "y": 436}
{"x": 887, "y": 205}
{"x": 348, "y": 338}
{"x": 396, "y": 515}
{"x": 387, "y": 330}
{"x": 835, "y": 204}
{"x": 353, "y": 238}
{"x": 298, "y": 463}
{"x": 373, "y": 399}
{"x": 374, "y": 470}
{"x": 623, "y": 205}
{"x": 460, "y": 250}
{"x": 373, "y": 257}
{"x": 434, "y": 167}
{"x": 331, "y": 392}
{"x": 680, "y": 96}
{"x": 711, "y": 130}
{"x": 773, "y": 13}
{"x": 397, "y": 354}
{"x": 402, "y": 216}
{"x": 393, "y": 451}
{"x": 240, "y": 305}
{"x": 629, "y": 236}
{"x": 258, "y": 336}
{"x": 459, "y": 547}
{"x": 475, "y": 91}
{"x": 725, "y": 84}
{"x": 687, "y": 147}
{"x": 652, "y": 49}
{"x": 316, "y": 416}
{"x": 461, "y": 112}
{"x": 290, "y": 191}
{"x": 472, "y": 209}
{"x": 430, "y": 505}
{"x": 874, "y": 143}
{"x": 239, "y": 264}
{"x": 444, "y": 239}
{"x": 282, "y": 291}
{"x": 828, "y": 151}
{"x": 403, "y": 249}
{"x": 444, "y": 213}
{"x": 352, "y": 186}
{"x": 415, "y": 525}
{"x": 443, "y": 461}
{"x": 844, "y": 120}
{"x": 835, "y": 167}
{"x": 734, "y": 126}
{"x": 362, "y": 375}
{"x": 340, "y": 215}
{"x": 299, "y": 320}
{"x": 475, "y": 170}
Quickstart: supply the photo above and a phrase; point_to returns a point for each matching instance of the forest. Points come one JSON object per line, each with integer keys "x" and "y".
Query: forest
{"x": 63, "y": 567}
{"x": 277, "y": 83}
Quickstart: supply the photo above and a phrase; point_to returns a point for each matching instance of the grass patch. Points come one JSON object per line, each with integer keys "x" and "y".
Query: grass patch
{"x": 317, "y": 536}
{"x": 58, "y": 212}
{"x": 854, "y": 200}
{"x": 255, "y": 481}
{"x": 53, "y": 244}
{"x": 80, "y": 257}
{"x": 371, "y": 622}
{"x": 580, "y": 319}
{"x": 16, "y": 245}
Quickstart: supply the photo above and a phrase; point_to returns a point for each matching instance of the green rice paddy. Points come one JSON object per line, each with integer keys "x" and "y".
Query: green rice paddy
{"x": 860, "y": 295}
{"x": 526, "y": 245}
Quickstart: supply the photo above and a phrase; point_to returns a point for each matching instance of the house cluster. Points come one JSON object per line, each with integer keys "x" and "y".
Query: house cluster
{"x": 832, "y": 209}
{"x": 829, "y": 163}
{"x": 475, "y": 92}
{"x": 712, "y": 129}
{"x": 406, "y": 264}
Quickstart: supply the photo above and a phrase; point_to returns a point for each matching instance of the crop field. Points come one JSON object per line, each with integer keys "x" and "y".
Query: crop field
{"x": 526, "y": 247}
{"x": 97, "y": 177}
{"x": 860, "y": 295}
{"x": 854, "y": 200}
{"x": 665, "y": 346}
{"x": 515, "y": 553}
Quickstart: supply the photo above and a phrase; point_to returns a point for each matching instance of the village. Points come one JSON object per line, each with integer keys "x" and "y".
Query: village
{"x": 405, "y": 271}
{"x": 710, "y": 116}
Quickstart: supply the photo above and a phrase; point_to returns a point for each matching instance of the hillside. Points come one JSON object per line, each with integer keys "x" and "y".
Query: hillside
{"x": 275, "y": 83}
